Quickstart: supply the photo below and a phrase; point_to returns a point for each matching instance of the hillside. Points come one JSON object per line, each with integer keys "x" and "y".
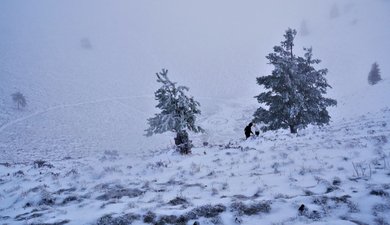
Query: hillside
{"x": 339, "y": 172}
{"x": 77, "y": 153}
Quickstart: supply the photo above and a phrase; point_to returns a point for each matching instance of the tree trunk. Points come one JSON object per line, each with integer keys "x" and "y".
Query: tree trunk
{"x": 182, "y": 142}
{"x": 293, "y": 129}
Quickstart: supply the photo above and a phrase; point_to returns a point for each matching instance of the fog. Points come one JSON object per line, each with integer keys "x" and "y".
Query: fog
{"x": 217, "y": 48}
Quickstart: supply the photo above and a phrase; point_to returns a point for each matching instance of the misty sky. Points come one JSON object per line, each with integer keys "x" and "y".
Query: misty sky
{"x": 217, "y": 48}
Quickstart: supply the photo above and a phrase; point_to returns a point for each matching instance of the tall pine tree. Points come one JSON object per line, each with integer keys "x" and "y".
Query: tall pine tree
{"x": 295, "y": 89}
{"x": 178, "y": 113}
{"x": 375, "y": 75}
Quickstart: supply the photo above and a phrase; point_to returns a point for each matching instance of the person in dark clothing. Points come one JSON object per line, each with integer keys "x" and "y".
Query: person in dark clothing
{"x": 248, "y": 130}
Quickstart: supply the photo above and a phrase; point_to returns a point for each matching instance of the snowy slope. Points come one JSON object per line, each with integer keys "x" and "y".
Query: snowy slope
{"x": 340, "y": 173}
{"x": 77, "y": 155}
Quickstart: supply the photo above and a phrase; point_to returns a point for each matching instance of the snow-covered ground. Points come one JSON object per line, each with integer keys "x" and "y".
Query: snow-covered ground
{"x": 87, "y": 68}
{"x": 340, "y": 173}
{"x": 77, "y": 154}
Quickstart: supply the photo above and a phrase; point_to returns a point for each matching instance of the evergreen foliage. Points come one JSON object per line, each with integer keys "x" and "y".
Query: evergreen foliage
{"x": 374, "y": 76}
{"x": 178, "y": 113}
{"x": 295, "y": 89}
{"x": 19, "y": 99}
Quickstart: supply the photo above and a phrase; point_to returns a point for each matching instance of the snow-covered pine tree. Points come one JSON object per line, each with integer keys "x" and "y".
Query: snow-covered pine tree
{"x": 178, "y": 113}
{"x": 374, "y": 76}
{"x": 295, "y": 90}
{"x": 19, "y": 99}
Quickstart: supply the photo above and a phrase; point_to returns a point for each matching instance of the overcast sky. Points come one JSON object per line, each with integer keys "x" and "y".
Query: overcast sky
{"x": 217, "y": 48}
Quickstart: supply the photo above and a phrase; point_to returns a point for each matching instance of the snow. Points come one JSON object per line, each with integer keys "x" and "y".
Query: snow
{"x": 341, "y": 171}
{"x": 77, "y": 152}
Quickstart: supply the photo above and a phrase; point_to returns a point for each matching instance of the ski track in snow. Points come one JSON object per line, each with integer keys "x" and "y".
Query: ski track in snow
{"x": 59, "y": 107}
{"x": 22, "y": 142}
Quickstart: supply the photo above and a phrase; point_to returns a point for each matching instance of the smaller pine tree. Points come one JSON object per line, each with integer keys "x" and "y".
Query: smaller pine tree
{"x": 19, "y": 99}
{"x": 178, "y": 113}
{"x": 374, "y": 76}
